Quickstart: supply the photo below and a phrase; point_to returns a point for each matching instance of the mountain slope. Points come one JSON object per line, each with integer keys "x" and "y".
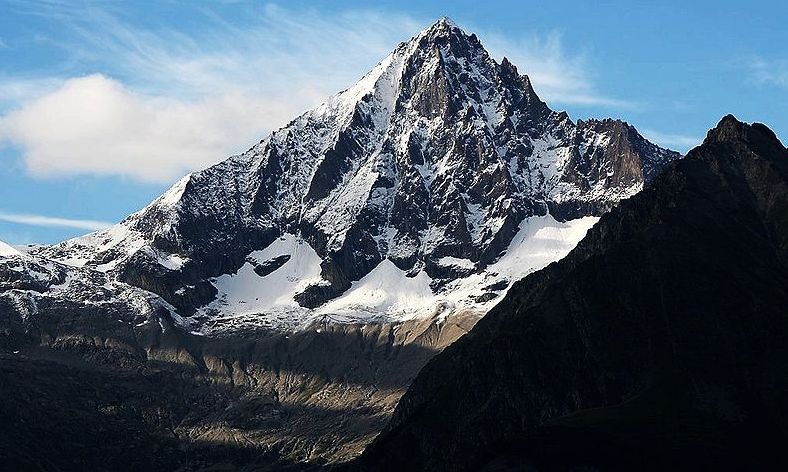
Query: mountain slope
{"x": 296, "y": 289}
{"x": 659, "y": 343}
{"x": 433, "y": 161}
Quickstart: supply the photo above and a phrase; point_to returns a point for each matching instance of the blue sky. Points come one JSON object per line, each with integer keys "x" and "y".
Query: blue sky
{"x": 104, "y": 105}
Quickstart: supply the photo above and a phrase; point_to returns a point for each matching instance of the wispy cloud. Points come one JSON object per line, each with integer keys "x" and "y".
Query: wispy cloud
{"x": 169, "y": 101}
{"x": 680, "y": 142}
{"x": 19, "y": 90}
{"x": 164, "y": 102}
{"x": 50, "y": 221}
{"x": 559, "y": 77}
{"x": 774, "y": 72}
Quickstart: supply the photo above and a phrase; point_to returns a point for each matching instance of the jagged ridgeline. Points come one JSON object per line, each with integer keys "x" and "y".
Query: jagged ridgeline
{"x": 282, "y": 300}
{"x": 658, "y": 343}
{"x": 422, "y": 173}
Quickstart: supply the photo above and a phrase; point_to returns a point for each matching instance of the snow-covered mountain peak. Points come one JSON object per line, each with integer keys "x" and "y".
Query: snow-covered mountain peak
{"x": 443, "y": 22}
{"x": 432, "y": 162}
{"x": 377, "y": 93}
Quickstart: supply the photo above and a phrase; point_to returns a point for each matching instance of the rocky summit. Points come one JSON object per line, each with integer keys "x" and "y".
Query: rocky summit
{"x": 424, "y": 172}
{"x": 294, "y": 290}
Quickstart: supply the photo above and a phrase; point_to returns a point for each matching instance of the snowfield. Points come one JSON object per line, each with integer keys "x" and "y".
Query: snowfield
{"x": 387, "y": 293}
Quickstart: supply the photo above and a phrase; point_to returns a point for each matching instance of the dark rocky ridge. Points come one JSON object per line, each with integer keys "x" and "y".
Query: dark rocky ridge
{"x": 660, "y": 342}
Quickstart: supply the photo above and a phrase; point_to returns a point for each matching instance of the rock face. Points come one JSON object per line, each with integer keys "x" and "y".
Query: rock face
{"x": 437, "y": 152}
{"x": 271, "y": 309}
{"x": 658, "y": 343}
{"x": 88, "y": 394}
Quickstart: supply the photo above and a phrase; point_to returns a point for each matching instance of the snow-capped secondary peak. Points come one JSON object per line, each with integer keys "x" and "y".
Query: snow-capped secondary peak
{"x": 432, "y": 162}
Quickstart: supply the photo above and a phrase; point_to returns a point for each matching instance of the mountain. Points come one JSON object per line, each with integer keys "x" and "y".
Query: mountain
{"x": 277, "y": 304}
{"x": 658, "y": 343}
{"x": 425, "y": 170}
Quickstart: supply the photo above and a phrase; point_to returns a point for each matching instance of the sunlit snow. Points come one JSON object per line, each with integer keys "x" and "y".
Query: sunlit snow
{"x": 386, "y": 293}
{"x": 8, "y": 251}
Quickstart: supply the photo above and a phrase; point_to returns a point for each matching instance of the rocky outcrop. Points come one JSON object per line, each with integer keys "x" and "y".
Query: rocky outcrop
{"x": 658, "y": 343}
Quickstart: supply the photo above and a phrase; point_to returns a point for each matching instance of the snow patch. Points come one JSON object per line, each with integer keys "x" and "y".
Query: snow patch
{"x": 8, "y": 251}
{"x": 388, "y": 294}
{"x": 539, "y": 241}
{"x": 456, "y": 262}
{"x": 172, "y": 196}
{"x": 246, "y": 293}
{"x": 384, "y": 292}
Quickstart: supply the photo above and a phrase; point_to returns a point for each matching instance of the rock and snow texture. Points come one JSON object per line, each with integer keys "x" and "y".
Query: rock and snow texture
{"x": 31, "y": 285}
{"x": 263, "y": 289}
{"x": 262, "y": 292}
{"x": 400, "y": 195}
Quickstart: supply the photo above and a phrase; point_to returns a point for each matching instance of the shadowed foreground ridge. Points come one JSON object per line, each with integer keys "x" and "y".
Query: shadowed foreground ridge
{"x": 660, "y": 341}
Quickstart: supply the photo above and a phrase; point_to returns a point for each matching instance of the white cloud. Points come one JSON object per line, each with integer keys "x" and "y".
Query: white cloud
{"x": 95, "y": 125}
{"x": 185, "y": 102}
{"x": 49, "y": 221}
{"x": 167, "y": 102}
{"x": 680, "y": 142}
